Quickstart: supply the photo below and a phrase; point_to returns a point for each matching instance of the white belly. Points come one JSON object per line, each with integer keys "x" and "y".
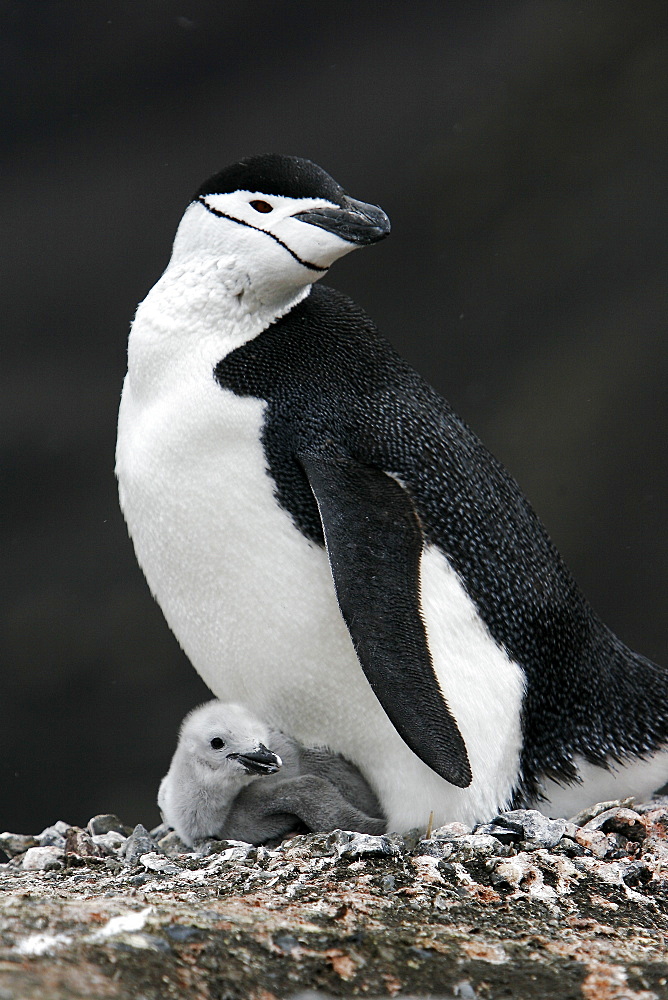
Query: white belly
{"x": 253, "y": 605}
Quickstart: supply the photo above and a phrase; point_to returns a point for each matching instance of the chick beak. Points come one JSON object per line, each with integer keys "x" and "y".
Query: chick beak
{"x": 258, "y": 761}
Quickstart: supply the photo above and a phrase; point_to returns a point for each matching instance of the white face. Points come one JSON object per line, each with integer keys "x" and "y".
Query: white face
{"x": 256, "y": 242}
{"x": 275, "y": 215}
{"x": 221, "y": 736}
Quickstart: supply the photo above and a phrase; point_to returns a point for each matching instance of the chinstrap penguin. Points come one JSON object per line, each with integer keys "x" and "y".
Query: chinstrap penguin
{"x": 224, "y": 782}
{"x": 332, "y": 545}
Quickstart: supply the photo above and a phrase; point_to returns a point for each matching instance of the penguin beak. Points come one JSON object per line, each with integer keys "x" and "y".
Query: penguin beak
{"x": 355, "y": 221}
{"x": 260, "y": 761}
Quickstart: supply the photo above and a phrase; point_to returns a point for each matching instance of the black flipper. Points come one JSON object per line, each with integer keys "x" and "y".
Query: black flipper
{"x": 374, "y": 543}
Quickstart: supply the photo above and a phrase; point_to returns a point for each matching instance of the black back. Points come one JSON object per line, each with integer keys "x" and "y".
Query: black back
{"x": 327, "y": 375}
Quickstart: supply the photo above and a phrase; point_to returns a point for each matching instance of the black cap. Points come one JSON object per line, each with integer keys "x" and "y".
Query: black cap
{"x": 271, "y": 173}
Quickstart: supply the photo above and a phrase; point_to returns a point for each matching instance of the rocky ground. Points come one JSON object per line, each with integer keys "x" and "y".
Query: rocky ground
{"x": 525, "y": 907}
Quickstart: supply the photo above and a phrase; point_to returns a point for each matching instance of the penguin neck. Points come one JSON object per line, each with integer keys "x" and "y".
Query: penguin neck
{"x": 201, "y": 308}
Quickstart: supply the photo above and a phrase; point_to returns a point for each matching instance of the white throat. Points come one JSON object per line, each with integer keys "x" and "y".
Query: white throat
{"x": 201, "y": 309}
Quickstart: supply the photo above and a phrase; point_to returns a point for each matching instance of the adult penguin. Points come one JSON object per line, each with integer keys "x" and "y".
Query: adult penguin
{"x": 332, "y": 545}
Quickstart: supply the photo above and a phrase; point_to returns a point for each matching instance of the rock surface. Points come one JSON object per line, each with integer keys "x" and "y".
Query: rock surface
{"x": 116, "y": 912}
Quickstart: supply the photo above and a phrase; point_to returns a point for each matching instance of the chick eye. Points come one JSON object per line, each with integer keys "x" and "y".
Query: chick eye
{"x": 261, "y": 206}
{"x": 217, "y": 743}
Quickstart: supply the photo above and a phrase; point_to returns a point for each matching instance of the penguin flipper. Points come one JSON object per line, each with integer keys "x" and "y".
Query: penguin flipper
{"x": 374, "y": 543}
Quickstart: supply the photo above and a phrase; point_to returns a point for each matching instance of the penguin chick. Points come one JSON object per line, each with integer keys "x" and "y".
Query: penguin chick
{"x": 211, "y": 788}
{"x": 221, "y": 749}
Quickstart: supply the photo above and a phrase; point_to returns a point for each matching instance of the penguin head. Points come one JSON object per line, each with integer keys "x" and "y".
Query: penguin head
{"x": 274, "y": 224}
{"x": 227, "y": 739}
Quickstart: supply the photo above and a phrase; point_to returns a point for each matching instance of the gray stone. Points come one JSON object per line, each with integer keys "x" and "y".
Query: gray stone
{"x": 159, "y": 863}
{"x": 533, "y": 825}
{"x": 287, "y": 943}
{"x": 585, "y": 815}
{"x": 619, "y": 820}
{"x": 16, "y": 843}
{"x": 637, "y": 874}
{"x": 139, "y": 842}
{"x": 465, "y": 991}
{"x": 205, "y": 848}
{"x": 53, "y": 836}
{"x": 109, "y": 843}
{"x": 502, "y": 833}
{"x": 477, "y": 843}
{"x": 656, "y": 802}
{"x": 451, "y": 831}
{"x": 238, "y": 852}
{"x": 596, "y": 841}
{"x": 528, "y": 846}
{"x": 434, "y": 848}
{"x": 357, "y": 845}
{"x": 43, "y": 859}
{"x": 400, "y": 843}
{"x": 80, "y": 842}
{"x": 568, "y": 846}
{"x": 106, "y": 823}
{"x": 338, "y": 839}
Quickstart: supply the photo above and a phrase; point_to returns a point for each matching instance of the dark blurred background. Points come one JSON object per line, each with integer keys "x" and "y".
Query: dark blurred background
{"x": 519, "y": 147}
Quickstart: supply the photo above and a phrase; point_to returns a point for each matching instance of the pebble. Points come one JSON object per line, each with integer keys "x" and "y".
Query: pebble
{"x": 231, "y": 854}
{"x": 502, "y": 833}
{"x": 54, "y": 836}
{"x": 533, "y": 825}
{"x": 109, "y": 843}
{"x": 595, "y": 841}
{"x": 477, "y": 843}
{"x": 43, "y": 859}
{"x": 80, "y": 842}
{"x": 451, "y": 831}
{"x": 139, "y": 842}
{"x": 585, "y": 815}
{"x": 356, "y": 845}
{"x": 619, "y": 820}
{"x": 211, "y": 846}
{"x": 465, "y": 847}
{"x": 522, "y": 873}
{"x": 658, "y": 802}
{"x": 159, "y": 863}
{"x": 16, "y": 843}
{"x": 106, "y": 823}
{"x": 569, "y": 847}
{"x": 434, "y": 848}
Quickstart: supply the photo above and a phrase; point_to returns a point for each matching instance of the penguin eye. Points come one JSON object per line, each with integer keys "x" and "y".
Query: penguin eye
{"x": 217, "y": 743}
{"x": 262, "y": 206}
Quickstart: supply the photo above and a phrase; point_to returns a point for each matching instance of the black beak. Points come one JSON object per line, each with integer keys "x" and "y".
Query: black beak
{"x": 260, "y": 761}
{"x": 354, "y": 221}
